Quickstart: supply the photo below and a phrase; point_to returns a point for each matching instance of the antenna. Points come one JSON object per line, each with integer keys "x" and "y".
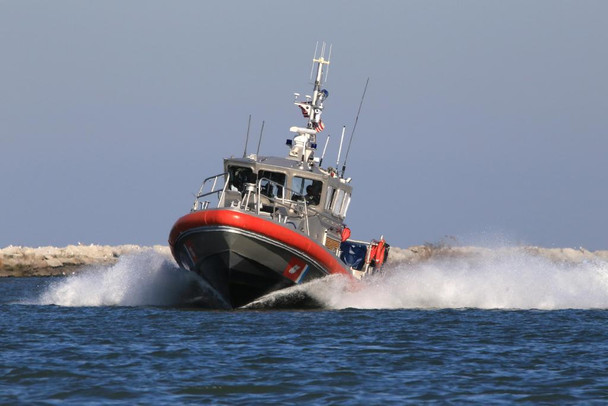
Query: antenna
{"x": 312, "y": 67}
{"x": 247, "y": 139}
{"x": 340, "y": 149}
{"x": 321, "y": 59}
{"x": 322, "y": 54}
{"x": 354, "y": 127}
{"x": 328, "y": 59}
{"x": 324, "y": 149}
{"x": 259, "y": 142}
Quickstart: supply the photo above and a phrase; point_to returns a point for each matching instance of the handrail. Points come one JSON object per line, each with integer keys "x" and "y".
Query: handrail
{"x": 300, "y": 208}
{"x": 198, "y": 205}
{"x": 214, "y": 178}
{"x": 291, "y": 204}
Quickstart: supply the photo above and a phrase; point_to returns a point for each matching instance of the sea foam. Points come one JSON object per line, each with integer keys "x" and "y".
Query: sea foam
{"x": 146, "y": 278}
{"x": 490, "y": 279}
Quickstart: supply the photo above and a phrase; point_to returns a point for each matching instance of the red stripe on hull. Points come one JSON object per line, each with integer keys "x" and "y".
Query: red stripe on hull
{"x": 240, "y": 220}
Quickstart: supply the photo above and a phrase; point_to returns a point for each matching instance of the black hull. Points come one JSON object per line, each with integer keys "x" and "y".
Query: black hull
{"x": 242, "y": 266}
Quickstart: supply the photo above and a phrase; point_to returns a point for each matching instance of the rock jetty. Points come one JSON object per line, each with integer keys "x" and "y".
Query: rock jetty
{"x": 54, "y": 261}
{"x": 421, "y": 253}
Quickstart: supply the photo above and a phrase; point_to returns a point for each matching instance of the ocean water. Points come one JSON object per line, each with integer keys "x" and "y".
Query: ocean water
{"x": 471, "y": 331}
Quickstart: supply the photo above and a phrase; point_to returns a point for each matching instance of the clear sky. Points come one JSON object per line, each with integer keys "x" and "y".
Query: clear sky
{"x": 482, "y": 118}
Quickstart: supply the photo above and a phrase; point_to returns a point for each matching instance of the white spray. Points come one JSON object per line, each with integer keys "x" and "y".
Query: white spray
{"x": 147, "y": 278}
{"x": 493, "y": 279}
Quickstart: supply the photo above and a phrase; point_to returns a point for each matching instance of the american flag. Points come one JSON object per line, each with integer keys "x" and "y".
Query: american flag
{"x": 319, "y": 126}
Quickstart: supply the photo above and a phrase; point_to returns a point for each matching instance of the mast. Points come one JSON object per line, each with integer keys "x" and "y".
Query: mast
{"x": 318, "y": 95}
{"x": 305, "y": 142}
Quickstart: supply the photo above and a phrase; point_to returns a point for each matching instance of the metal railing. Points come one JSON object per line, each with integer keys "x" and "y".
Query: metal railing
{"x": 297, "y": 207}
{"x": 219, "y": 193}
{"x": 253, "y": 198}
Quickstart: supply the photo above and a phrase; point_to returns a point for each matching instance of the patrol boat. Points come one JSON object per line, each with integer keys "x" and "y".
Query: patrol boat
{"x": 268, "y": 223}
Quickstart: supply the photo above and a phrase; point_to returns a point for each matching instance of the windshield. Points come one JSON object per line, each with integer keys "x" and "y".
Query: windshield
{"x": 309, "y": 189}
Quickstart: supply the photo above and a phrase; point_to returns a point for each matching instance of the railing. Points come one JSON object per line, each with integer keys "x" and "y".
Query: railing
{"x": 275, "y": 203}
{"x": 252, "y": 198}
{"x": 219, "y": 193}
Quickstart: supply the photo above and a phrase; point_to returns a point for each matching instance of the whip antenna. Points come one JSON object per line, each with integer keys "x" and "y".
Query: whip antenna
{"x": 324, "y": 149}
{"x": 340, "y": 149}
{"x": 312, "y": 67}
{"x": 354, "y": 128}
{"x": 247, "y": 138}
{"x": 260, "y": 141}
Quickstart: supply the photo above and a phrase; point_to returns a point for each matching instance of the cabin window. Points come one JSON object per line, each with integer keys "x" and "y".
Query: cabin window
{"x": 337, "y": 203}
{"x": 239, "y": 175}
{"x": 345, "y": 204}
{"x": 309, "y": 189}
{"x": 271, "y": 183}
{"x": 331, "y": 195}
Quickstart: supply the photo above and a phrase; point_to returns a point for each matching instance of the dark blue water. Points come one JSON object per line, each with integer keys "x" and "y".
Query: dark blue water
{"x": 100, "y": 338}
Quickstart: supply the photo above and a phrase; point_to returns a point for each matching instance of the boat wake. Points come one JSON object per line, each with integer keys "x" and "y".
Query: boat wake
{"x": 143, "y": 279}
{"x": 493, "y": 280}
{"x": 316, "y": 294}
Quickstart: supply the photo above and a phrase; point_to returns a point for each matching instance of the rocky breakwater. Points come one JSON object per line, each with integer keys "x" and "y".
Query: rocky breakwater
{"x": 440, "y": 252}
{"x": 54, "y": 261}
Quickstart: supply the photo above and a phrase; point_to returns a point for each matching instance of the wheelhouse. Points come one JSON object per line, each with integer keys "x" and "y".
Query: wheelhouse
{"x": 283, "y": 178}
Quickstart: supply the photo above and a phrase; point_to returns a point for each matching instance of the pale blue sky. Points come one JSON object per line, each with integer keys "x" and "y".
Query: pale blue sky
{"x": 482, "y": 118}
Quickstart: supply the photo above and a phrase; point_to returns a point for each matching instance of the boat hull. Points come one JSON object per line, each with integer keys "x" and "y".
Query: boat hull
{"x": 243, "y": 256}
